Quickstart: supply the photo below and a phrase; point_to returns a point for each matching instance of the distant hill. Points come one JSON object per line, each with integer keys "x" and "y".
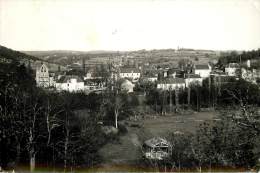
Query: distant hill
{"x": 67, "y": 57}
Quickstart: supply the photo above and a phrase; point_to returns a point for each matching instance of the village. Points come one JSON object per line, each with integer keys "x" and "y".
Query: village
{"x": 127, "y": 77}
{"x": 131, "y": 112}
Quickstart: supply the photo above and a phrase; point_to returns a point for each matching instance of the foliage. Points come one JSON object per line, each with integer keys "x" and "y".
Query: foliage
{"x": 11, "y": 54}
{"x": 44, "y": 128}
{"x": 234, "y": 57}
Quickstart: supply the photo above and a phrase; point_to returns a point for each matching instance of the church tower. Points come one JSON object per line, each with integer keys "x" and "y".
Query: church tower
{"x": 42, "y": 76}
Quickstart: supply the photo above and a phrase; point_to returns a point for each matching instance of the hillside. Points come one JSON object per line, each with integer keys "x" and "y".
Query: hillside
{"x": 67, "y": 57}
{"x": 8, "y": 55}
{"x": 15, "y": 55}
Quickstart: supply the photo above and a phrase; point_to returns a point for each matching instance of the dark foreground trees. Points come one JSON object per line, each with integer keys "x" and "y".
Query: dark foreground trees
{"x": 39, "y": 128}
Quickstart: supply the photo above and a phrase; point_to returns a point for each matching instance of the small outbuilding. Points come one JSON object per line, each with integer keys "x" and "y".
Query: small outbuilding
{"x": 157, "y": 148}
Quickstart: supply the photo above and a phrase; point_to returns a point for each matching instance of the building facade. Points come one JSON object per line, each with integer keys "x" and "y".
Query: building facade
{"x": 171, "y": 84}
{"x": 202, "y": 70}
{"x": 130, "y": 73}
{"x": 42, "y": 76}
{"x": 193, "y": 79}
{"x": 70, "y": 83}
{"x": 231, "y": 69}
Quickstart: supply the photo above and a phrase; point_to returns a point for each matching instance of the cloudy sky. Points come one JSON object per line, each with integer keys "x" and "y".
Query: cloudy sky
{"x": 129, "y": 24}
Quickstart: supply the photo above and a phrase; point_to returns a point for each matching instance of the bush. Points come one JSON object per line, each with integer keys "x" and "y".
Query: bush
{"x": 122, "y": 129}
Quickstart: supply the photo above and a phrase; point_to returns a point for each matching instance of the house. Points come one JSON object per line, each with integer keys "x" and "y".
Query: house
{"x": 157, "y": 148}
{"x": 193, "y": 79}
{"x": 127, "y": 86}
{"x": 203, "y": 70}
{"x": 171, "y": 84}
{"x": 231, "y": 69}
{"x": 42, "y": 76}
{"x": 162, "y": 73}
{"x": 150, "y": 78}
{"x": 219, "y": 78}
{"x": 71, "y": 83}
{"x": 93, "y": 85}
{"x": 131, "y": 73}
{"x": 174, "y": 72}
{"x": 95, "y": 74}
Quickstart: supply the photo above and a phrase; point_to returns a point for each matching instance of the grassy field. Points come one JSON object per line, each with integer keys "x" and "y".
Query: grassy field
{"x": 127, "y": 149}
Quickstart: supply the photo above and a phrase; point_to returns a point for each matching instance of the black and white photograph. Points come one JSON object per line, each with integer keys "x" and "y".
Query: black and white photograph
{"x": 129, "y": 86}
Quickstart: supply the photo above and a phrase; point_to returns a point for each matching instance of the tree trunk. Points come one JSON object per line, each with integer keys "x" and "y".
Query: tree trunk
{"x": 210, "y": 92}
{"x": 170, "y": 101}
{"x": 116, "y": 116}
{"x": 188, "y": 97}
{"x": 177, "y": 99}
{"x": 32, "y": 152}
{"x": 66, "y": 149}
{"x": 18, "y": 153}
{"x": 32, "y": 160}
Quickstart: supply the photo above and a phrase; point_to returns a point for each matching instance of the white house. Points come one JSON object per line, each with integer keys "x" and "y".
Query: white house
{"x": 171, "y": 83}
{"x": 42, "y": 76}
{"x": 193, "y": 79}
{"x": 70, "y": 83}
{"x": 174, "y": 72}
{"x": 93, "y": 85}
{"x": 150, "y": 77}
{"x": 127, "y": 86}
{"x": 131, "y": 73}
{"x": 202, "y": 70}
{"x": 231, "y": 69}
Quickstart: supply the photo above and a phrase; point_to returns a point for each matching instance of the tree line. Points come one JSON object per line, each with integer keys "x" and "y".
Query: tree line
{"x": 211, "y": 94}
{"x": 234, "y": 57}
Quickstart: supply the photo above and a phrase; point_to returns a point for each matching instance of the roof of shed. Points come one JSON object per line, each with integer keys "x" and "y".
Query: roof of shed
{"x": 157, "y": 141}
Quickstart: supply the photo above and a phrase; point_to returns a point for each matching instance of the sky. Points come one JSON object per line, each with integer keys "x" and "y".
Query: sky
{"x": 129, "y": 24}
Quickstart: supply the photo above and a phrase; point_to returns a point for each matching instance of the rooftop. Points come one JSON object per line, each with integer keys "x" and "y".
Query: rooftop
{"x": 232, "y": 65}
{"x": 202, "y": 66}
{"x": 193, "y": 76}
{"x": 64, "y": 79}
{"x": 157, "y": 141}
{"x": 172, "y": 81}
{"x": 130, "y": 70}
